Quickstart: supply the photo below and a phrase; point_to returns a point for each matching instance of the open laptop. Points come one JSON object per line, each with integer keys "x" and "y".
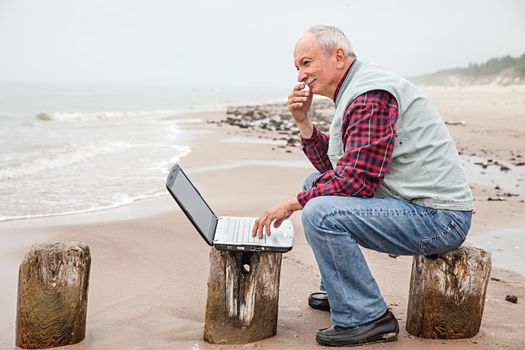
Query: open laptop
{"x": 225, "y": 233}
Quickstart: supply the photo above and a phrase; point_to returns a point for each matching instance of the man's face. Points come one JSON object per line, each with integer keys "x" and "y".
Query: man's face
{"x": 316, "y": 67}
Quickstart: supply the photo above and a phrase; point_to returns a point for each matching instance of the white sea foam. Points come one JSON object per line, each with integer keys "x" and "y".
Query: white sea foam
{"x": 60, "y": 158}
{"x": 90, "y": 116}
{"x": 125, "y": 200}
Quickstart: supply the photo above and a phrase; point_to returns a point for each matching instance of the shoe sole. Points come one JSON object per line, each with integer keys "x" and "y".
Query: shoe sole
{"x": 319, "y": 307}
{"x": 382, "y": 339}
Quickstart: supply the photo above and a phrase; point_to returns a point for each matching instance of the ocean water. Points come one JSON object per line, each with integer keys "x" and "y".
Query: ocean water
{"x": 74, "y": 149}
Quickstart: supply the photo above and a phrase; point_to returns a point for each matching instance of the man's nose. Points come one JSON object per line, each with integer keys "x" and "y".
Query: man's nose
{"x": 301, "y": 76}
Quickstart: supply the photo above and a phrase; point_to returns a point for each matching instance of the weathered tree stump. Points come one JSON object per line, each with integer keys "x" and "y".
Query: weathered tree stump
{"x": 52, "y": 295}
{"x": 447, "y": 294}
{"x": 243, "y": 296}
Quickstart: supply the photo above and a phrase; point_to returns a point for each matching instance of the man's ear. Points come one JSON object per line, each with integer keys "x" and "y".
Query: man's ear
{"x": 340, "y": 58}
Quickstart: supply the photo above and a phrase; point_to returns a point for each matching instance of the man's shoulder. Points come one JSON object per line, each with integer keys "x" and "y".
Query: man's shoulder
{"x": 378, "y": 97}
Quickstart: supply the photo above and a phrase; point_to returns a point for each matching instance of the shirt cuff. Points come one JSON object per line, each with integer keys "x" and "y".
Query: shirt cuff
{"x": 303, "y": 197}
{"x": 311, "y": 140}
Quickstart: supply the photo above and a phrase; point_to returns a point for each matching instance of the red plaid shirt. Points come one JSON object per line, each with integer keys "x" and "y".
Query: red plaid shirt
{"x": 368, "y": 132}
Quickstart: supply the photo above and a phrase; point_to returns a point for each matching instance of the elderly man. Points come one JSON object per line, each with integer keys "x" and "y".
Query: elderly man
{"x": 390, "y": 179}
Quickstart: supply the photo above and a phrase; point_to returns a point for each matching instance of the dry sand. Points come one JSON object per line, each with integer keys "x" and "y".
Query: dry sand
{"x": 150, "y": 267}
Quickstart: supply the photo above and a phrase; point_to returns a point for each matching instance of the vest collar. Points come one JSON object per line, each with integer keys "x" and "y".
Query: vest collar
{"x": 356, "y": 65}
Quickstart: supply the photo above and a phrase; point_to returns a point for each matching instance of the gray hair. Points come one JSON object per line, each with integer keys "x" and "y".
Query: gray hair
{"x": 332, "y": 38}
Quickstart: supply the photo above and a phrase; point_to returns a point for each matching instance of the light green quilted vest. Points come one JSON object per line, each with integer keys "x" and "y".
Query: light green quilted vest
{"x": 425, "y": 167}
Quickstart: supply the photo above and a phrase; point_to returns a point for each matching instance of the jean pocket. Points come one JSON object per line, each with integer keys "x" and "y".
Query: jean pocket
{"x": 463, "y": 220}
{"x": 445, "y": 241}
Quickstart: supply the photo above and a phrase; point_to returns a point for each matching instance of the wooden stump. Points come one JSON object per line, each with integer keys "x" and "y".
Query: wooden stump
{"x": 447, "y": 294}
{"x": 243, "y": 296}
{"x": 52, "y": 295}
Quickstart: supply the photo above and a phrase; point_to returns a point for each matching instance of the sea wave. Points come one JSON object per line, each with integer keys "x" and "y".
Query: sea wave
{"x": 61, "y": 205}
{"x": 100, "y": 115}
{"x": 60, "y": 158}
{"x": 124, "y": 200}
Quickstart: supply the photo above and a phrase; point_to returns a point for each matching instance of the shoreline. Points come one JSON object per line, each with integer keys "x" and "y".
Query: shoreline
{"x": 483, "y": 183}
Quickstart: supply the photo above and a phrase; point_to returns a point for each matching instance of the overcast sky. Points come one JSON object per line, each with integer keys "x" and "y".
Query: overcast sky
{"x": 240, "y": 43}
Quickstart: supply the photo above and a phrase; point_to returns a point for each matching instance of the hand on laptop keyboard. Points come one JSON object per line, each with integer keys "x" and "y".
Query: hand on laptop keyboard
{"x": 276, "y": 215}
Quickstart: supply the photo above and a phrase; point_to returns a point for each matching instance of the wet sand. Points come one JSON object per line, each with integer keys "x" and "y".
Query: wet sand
{"x": 150, "y": 267}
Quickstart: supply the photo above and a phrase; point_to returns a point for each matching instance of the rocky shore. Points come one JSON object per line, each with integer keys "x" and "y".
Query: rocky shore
{"x": 277, "y": 120}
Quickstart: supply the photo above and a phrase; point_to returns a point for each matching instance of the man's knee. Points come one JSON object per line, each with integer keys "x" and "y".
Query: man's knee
{"x": 322, "y": 220}
{"x": 309, "y": 217}
{"x": 312, "y": 212}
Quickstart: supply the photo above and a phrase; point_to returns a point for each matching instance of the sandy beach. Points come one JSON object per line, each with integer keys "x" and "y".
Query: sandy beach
{"x": 150, "y": 267}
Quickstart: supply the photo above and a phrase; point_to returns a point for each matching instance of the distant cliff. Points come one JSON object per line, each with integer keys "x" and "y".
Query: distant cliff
{"x": 505, "y": 70}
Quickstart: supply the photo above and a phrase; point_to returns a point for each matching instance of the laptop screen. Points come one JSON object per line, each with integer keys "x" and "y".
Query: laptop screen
{"x": 192, "y": 203}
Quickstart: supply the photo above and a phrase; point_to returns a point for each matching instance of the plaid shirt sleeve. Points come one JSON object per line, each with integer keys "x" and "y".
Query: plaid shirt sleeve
{"x": 316, "y": 148}
{"x": 368, "y": 132}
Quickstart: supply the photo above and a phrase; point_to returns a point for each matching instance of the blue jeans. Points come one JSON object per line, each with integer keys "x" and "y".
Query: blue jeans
{"x": 336, "y": 226}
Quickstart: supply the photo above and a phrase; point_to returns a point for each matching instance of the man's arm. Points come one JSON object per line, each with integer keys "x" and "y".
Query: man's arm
{"x": 316, "y": 149}
{"x": 315, "y": 143}
{"x": 368, "y": 132}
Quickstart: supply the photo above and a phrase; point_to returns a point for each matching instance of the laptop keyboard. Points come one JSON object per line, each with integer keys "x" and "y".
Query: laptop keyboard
{"x": 239, "y": 230}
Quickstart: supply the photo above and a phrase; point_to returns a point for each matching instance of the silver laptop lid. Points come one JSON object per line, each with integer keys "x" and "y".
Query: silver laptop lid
{"x": 192, "y": 203}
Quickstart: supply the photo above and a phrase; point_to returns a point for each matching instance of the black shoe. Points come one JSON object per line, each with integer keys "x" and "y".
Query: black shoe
{"x": 383, "y": 329}
{"x": 319, "y": 301}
